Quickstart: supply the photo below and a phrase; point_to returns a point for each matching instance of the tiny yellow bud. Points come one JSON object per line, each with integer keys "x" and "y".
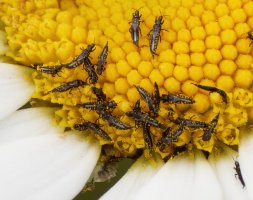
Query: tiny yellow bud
{"x": 177, "y": 24}
{"x": 147, "y": 85}
{"x": 196, "y": 73}
{"x": 244, "y": 61}
{"x": 180, "y": 73}
{"x": 123, "y": 67}
{"x": 121, "y": 86}
{"x": 227, "y": 67}
{"x": 208, "y": 16}
{"x": 198, "y": 59}
{"x": 229, "y": 52}
{"x": 65, "y": 51}
{"x": 197, "y": 9}
{"x": 202, "y": 103}
{"x": 243, "y": 78}
{"x": 243, "y": 46}
{"x": 226, "y": 22}
{"x": 167, "y": 56}
{"x": 64, "y": 17}
{"x": 172, "y": 85}
{"x": 198, "y": 32}
{"x": 228, "y": 36}
{"x": 234, "y": 4}
{"x": 134, "y": 59}
{"x": 166, "y": 69}
{"x": 183, "y": 13}
{"x": 79, "y": 35}
{"x": 211, "y": 4}
{"x": 213, "y": 42}
{"x": 221, "y": 10}
{"x": 213, "y": 56}
{"x": 117, "y": 54}
{"x": 79, "y": 21}
{"x": 189, "y": 89}
{"x": 238, "y": 15}
{"x": 133, "y": 95}
{"x": 109, "y": 90}
{"x": 64, "y": 31}
{"x": 211, "y": 71}
{"x": 248, "y": 8}
{"x": 183, "y": 59}
{"x": 225, "y": 82}
{"x": 187, "y": 3}
{"x": 212, "y": 28}
{"x": 111, "y": 73}
{"x": 133, "y": 77}
{"x": 197, "y": 46}
{"x": 242, "y": 28}
{"x": 145, "y": 68}
{"x": 156, "y": 76}
{"x": 145, "y": 53}
{"x": 193, "y": 21}
{"x": 180, "y": 47}
{"x": 184, "y": 35}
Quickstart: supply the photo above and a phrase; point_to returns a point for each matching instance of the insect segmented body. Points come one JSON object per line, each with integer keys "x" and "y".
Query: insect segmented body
{"x": 145, "y": 118}
{"x": 147, "y": 137}
{"x": 154, "y": 34}
{"x": 102, "y": 59}
{"x": 81, "y": 58}
{"x": 94, "y": 127}
{"x": 54, "y": 70}
{"x": 135, "y": 27}
{"x": 173, "y": 98}
{"x": 208, "y": 132}
{"x": 239, "y": 173}
{"x": 99, "y": 93}
{"x": 172, "y": 137}
{"x": 69, "y": 86}
{"x": 156, "y": 99}
{"x": 250, "y": 36}
{"x": 89, "y": 67}
{"x": 99, "y": 105}
{"x": 214, "y": 89}
{"x": 113, "y": 121}
{"x": 191, "y": 123}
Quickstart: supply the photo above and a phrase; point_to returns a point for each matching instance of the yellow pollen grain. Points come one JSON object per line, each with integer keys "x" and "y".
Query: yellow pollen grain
{"x": 226, "y": 22}
{"x": 228, "y": 36}
{"x": 198, "y": 33}
{"x": 225, "y": 82}
{"x": 147, "y": 85}
{"x": 227, "y": 67}
{"x": 241, "y": 29}
{"x": 212, "y": 28}
{"x": 123, "y": 68}
{"x": 134, "y": 59}
{"x": 117, "y": 54}
{"x": 197, "y": 46}
{"x": 189, "y": 89}
{"x": 133, "y": 95}
{"x": 193, "y": 22}
{"x": 172, "y": 85}
{"x": 243, "y": 78}
{"x": 248, "y": 8}
{"x": 180, "y": 73}
{"x": 196, "y": 73}
{"x": 111, "y": 73}
{"x": 211, "y": 71}
{"x": 180, "y": 47}
{"x": 244, "y": 61}
{"x": 238, "y": 15}
{"x": 167, "y": 56}
{"x": 156, "y": 76}
{"x": 213, "y": 42}
{"x": 213, "y": 56}
{"x": 121, "y": 86}
{"x": 133, "y": 77}
{"x": 183, "y": 60}
{"x": 198, "y": 59}
{"x": 166, "y": 69}
{"x": 145, "y": 68}
{"x": 221, "y": 10}
{"x": 229, "y": 52}
{"x": 184, "y": 35}
{"x": 202, "y": 103}
{"x": 208, "y": 16}
{"x": 242, "y": 46}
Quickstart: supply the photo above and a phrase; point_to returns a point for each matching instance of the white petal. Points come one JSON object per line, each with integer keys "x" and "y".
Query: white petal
{"x": 45, "y": 165}
{"x": 15, "y": 90}
{"x": 182, "y": 178}
{"x": 136, "y": 177}
{"x": 224, "y": 167}
{"x": 246, "y": 159}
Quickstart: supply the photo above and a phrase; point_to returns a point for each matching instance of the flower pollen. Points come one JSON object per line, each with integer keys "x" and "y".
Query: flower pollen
{"x": 203, "y": 44}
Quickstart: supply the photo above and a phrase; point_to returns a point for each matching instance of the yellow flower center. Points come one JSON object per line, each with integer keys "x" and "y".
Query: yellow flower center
{"x": 201, "y": 42}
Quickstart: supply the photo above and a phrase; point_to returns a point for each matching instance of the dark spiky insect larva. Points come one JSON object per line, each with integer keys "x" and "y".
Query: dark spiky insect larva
{"x": 176, "y": 98}
{"x": 95, "y": 128}
{"x": 102, "y": 60}
{"x": 69, "y": 86}
{"x": 211, "y": 128}
{"x": 147, "y": 137}
{"x": 135, "y": 27}
{"x": 154, "y": 35}
{"x": 80, "y": 58}
{"x": 214, "y": 89}
{"x": 239, "y": 173}
{"x": 90, "y": 69}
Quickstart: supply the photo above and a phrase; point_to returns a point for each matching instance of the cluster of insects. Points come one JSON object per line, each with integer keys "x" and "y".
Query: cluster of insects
{"x": 145, "y": 120}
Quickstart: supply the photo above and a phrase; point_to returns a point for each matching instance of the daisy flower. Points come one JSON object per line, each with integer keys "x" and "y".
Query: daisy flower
{"x": 167, "y": 83}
